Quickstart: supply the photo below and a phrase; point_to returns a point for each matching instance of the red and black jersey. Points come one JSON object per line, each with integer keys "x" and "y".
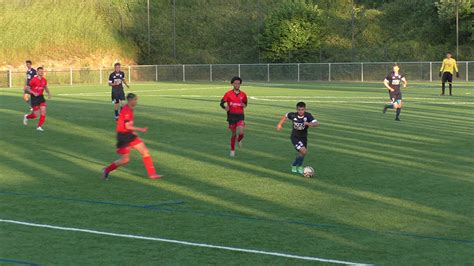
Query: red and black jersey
{"x": 235, "y": 101}
{"x": 125, "y": 116}
{"x": 37, "y": 85}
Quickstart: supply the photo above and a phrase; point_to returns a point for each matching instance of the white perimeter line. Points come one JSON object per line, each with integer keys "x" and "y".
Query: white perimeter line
{"x": 186, "y": 243}
{"x": 108, "y": 92}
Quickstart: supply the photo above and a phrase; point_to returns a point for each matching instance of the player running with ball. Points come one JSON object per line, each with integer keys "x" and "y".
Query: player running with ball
{"x": 236, "y": 102}
{"x": 36, "y": 88}
{"x": 392, "y": 83}
{"x": 302, "y": 120}
{"x": 127, "y": 139}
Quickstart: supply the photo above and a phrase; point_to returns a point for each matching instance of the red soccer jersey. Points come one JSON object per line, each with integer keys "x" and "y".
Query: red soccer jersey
{"x": 236, "y": 102}
{"x": 37, "y": 85}
{"x": 126, "y": 115}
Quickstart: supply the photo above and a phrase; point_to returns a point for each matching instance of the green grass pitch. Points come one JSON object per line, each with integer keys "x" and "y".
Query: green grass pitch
{"x": 386, "y": 192}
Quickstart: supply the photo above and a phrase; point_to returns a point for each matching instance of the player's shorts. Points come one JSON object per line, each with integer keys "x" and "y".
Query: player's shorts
{"x": 37, "y": 102}
{"x": 396, "y": 97}
{"x": 235, "y": 120}
{"x": 125, "y": 141}
{"x": 299, "y": 142}
{"x": 447, "y": 77}
{"x": 118, "y": 95}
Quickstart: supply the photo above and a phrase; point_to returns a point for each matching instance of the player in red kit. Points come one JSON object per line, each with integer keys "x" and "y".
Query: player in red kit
{"x": 127, "y": 139}
{"x": 236, "y": 102}
{"x": 36, "y": 88}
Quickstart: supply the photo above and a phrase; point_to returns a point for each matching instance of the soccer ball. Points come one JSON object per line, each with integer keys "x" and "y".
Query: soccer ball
{"x": 308, "y": 171}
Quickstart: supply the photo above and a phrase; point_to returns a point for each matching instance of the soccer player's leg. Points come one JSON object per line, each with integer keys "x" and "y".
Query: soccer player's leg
{"x": 35, "y": 113}
{"x": 123, "y": 160}
{"x": 444, "y": 78}
{"x": 398, "y": 106}
{"x": 450, "y": 83}
{"x": 147, "y": 161}
{"x": 233, "y": 137}
{"x": 116, "y": 102}
{"x": 42, "y": 118}
{"x": 240, "y": 129}
{"x": 389, "y": 105}
{"x": 300, "y": 147}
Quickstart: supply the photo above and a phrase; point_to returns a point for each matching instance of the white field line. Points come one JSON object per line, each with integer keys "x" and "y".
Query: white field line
{"x": 186, "y": 243}
{"x": 108, "y": 92}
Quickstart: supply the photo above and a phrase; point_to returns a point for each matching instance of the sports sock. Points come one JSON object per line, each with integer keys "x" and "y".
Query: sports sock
{"x": 241, "y": 136}
{"x": 398, "y": 112}
{"x": 41, "y": 120}
{"x": 111, "y": 167}
{"x": 442, "y": 87}
{"x": 390, "y": 105}
{"x": 450, "y": 88}
{"x": 116, "y": 112}
{"x": 31, "y": 116}
{"x": 295, "y": 162}
{"x": 301, "y": 159}
{"x": 149, "y": 165}
{"x": 232, "y": 143}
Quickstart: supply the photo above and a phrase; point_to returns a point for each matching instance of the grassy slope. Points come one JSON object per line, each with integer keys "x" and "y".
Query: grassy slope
{"x": 377, "y": 179}
{"x": 60, "y": 32}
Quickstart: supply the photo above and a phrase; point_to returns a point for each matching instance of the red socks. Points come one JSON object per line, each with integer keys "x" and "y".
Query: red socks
{"x": 241, "y": 136}
{"x": 41, "y": 120}
{"x": 232, "y": 143}
{"x": 31, "y": 116}
{"x": 149, "y": 166}
{"x": 111, "y": 167}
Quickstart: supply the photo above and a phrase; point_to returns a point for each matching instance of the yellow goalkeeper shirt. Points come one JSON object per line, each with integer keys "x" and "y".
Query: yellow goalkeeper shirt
{"x": 449, "y": 65}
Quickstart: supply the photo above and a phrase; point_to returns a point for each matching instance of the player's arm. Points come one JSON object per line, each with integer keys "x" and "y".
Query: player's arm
{"x": 111, "y": 81}
{"x": 405, "y": 82}
{"x": 129, "y": 126}
{"x": 387, "y": 85}
{"x": 282, "y": 120}
{"x": 47, "y": 91}
{"x": 124, "y": 81}
{"x": 441, "y": 69}
{"x": 245, "y": 101}
{"x": 28, "y": 89}
{"x": 222, "y": 104}
{"x": 313, "y": 123}
{"x": 456, "y": 68}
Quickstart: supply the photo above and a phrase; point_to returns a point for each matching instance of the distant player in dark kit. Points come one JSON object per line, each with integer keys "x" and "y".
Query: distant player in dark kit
{"x": 236, "y": 101}
{"x": 301, "y": 120}
{"x": 446, "y": 72}
{"x": 127, "y": 139}
{"x": 116, "y": 79}
{"x": 36, "y": 88}
{"x": 30, "y": 74}
{"x": 392, "y": 82}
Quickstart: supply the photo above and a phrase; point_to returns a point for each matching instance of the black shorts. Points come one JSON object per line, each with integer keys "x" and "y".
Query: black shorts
{"x": 299, "y": 142}
{"x": 395, "y": 96}
{"x": 123, "y": 139}
{"x": 37, "y": 100}
{"x": 234, "y": 118}
{"x": 118, "y": 95}
{"x": 447, "y": 77}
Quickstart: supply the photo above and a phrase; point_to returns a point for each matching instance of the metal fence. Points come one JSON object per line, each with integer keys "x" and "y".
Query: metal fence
{"x": 292, "y": 72}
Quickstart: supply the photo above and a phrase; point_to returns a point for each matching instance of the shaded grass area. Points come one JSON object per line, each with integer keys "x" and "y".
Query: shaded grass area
{"x": 380, "y": 184}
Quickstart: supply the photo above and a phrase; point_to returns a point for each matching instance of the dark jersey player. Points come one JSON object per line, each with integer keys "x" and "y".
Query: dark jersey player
{"x": 116, "y": 79}
{"x": 392, "y": 82}
{"x": 234, "y": 102}
{"x": 30, "y": 74}
{"x": 127, "y": 139}
{"x": 301, "y": 120}
{"x": 36, "y": 88}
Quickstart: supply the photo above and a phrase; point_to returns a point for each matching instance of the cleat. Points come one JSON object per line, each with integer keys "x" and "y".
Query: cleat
{"x": 450, "y": 95}
{"x": 397, "y": 119}
{"x": 294, "y": 170}
{"x": 155, "y": 176}
{"x": 232, "y": 154}
{"x": 105, "y": 175}
{"x": 442, "y": 94}
{"x": 25, "y": 120}
{"x": 300, "y": 170}
{"x": 40, "y": 129}
{"x": 239, "y": 143}
{"x": 384, "y": 110}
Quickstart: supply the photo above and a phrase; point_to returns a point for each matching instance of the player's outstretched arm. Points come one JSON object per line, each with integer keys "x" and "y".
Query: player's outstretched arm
{"x": 405, "y": 82}
{"x": 314, "y": 123}
{"x": 130, "y": 126}
{"x": 280, "y": 124}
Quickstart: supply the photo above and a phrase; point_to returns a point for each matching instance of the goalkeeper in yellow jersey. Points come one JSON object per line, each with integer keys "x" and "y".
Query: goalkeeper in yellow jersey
{"x": 446, "y": 72}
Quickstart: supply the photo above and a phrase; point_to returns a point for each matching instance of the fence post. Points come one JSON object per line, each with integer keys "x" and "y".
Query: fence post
{"x": 329, "y": 74}
{"x": 100, "y": 75}
{"x": 268, "y": 72}
{"x": 298, "y": 72}
{"x": 238, "y": 67}
{"x": 362, "y": 72}
{"x": 156, "y": 73}
{"x": 467, "y": 70}
{"x": 184, "y": 74}
{"x": 70, "y": 76}
{"x": 10, "y": 80}
{"x": 431, "y": 71}
{"x": 210, "y": 72}
{"x": 129, "y": 74}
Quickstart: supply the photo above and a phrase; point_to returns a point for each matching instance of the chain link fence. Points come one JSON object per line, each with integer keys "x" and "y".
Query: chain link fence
{"x": 290, "y": 72}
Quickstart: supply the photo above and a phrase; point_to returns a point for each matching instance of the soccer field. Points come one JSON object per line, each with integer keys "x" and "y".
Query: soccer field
{"x": 385, "y": 192}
